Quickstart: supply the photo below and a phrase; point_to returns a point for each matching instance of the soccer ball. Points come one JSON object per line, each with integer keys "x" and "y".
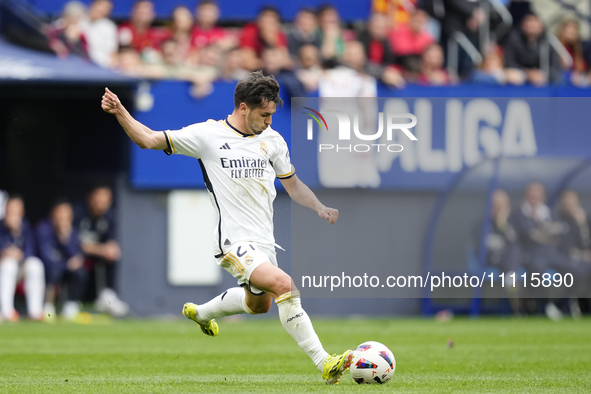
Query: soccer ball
{"x": 373, "y": 363}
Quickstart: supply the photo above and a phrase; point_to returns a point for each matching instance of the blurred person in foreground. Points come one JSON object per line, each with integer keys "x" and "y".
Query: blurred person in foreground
{"x": 303, "y": 32}
{"x": 539, "y": 236}
{"x": 528, "y": 52}
{"x": 243, "y": 198}
{"x": 59, "y": 248}
{"x": 96, "y": 229}
{"x": 17, "y": 261}
{"x": 100, "y": 33}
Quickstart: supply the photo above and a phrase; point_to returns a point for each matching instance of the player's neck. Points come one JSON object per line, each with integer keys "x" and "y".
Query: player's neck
{"x": 238, "y": 123}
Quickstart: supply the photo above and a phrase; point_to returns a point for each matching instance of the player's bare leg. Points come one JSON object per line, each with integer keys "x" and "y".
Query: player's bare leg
{"x": 278, "y": 285}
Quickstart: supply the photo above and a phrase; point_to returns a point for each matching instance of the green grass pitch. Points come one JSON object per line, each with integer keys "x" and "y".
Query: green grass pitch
{"x": 489, "y": 355}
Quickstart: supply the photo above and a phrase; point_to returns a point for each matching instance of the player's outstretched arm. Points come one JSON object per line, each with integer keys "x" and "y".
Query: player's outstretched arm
{"x": 300, "y": 193}
{"x": 143, "y": 136}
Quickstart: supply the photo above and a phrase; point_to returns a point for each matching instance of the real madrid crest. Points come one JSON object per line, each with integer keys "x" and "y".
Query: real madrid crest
{"x": 264, "y": 149}
{"x": 248, "y": 260}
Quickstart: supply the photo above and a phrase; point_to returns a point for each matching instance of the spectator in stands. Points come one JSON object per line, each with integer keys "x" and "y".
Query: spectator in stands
{"x": 380, "y": 58}
{"x": 528, "y": 54}
{"x": 138, "y": 32}
{"x": 398, "y": 11}
{"x": 409, "y": 40}
{"x": 539, "y": 235}
{"x": 303, "y": 32}
{"x": 491, "y": 71}
{"x": 504, "y": 252}
{"x": 59, "y": 248}
{"x": 100, "y": 33}
{"x": 375, "y": 41}
{"x": 276, "y": 62}
{"x": 265, "y": 33}
{"x": 207, "y": 71}
{"x": 432, "y": 71}
{"x": 309, "y": 71}
{"x": 99, "y": 244}
{"x": 206, "y": 32}
{"x": 569, "y": 36}
{"x": 66, "y": 36}
{"x": 171, "y": 66}
{"x": 464, "y": 16}
{"x": 18, "y": 260}
{"x": 180, "y": 31}
{"x": 232, "y": 66}
{"x": 333, "y": 42}
{"x": 349, "y": 79}
{"x": 128, "y": 62}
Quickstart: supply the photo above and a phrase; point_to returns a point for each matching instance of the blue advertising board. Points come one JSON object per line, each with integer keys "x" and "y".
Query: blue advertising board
{"x": 452, "y": 132}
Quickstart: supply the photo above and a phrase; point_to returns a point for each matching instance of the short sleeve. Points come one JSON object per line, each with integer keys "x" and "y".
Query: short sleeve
{"x": 281, "y": 162}
{"x": 188, "y": 141}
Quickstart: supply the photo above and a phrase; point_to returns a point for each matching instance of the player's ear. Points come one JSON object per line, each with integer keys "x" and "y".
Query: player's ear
{"x": 243, "y": 108}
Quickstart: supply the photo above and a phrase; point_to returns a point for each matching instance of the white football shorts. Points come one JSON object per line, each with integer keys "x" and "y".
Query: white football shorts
{"x": 242, "y": 259}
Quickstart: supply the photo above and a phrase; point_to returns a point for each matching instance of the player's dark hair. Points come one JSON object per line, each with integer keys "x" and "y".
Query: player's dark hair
{"x": 257, "y": 91}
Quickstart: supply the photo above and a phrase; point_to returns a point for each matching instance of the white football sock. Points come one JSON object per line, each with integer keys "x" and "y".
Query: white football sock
{"x": 298, "y": 324}
{"x": 230, "y": 302}
{"x": 34, "y": 286}
{"x": 8, "y": 276}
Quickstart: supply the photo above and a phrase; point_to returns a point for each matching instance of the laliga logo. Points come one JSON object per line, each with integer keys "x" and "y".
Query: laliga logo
{"x": 344, "y": 132}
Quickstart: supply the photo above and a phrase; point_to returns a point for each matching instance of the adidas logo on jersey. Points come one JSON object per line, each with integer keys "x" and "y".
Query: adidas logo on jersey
{"x": 227, "y": 243}
{"x": 225, "y": 146}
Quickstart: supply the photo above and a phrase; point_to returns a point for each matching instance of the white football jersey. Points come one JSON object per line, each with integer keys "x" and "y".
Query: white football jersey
{"x": 239, "y": 172}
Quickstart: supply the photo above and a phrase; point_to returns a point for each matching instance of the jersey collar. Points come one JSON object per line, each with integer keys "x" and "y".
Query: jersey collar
{"x": 238, "y": 131}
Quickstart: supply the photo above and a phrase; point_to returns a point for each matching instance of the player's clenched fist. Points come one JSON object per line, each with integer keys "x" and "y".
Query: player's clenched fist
{"x": 330, "y": 214}
{"x": 110, "y": 102}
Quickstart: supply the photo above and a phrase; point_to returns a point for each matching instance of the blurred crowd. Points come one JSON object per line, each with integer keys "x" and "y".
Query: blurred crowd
{"x": 402, "y": 42}
{"x": 531, "y": 237}
{"x": 70, "y": 256}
